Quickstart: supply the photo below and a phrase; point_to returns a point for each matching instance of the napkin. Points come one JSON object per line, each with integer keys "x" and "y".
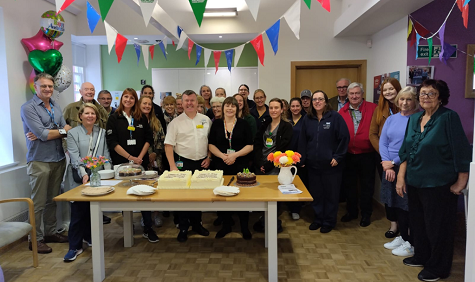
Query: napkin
{"x": 141, "y": 190}
{"x": 226, "y": 190}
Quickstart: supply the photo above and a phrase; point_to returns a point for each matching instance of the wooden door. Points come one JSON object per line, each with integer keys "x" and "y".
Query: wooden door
{"x": 322, "y": 75}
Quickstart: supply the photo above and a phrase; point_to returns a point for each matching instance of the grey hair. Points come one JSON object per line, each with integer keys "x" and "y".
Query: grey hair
{"x": 408, "y": 90}
{"x": 217, "y": 100}
{"x": 44, "y": 75}
{"x": 356, "y": 84}
{"x": 343, "y": 78}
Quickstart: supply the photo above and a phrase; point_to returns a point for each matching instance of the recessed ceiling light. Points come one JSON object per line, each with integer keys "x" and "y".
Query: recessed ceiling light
{"x": 220, "y": 12}
{"x": 136, "y": 38}
{"x": 220, "y": 36}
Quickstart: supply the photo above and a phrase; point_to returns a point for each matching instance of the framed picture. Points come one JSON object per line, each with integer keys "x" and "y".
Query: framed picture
{"x": 377, "y": 83}
{"x": 417, "y": 74}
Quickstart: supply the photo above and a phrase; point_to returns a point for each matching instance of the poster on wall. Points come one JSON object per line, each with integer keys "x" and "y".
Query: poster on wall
{"x": 377, "y": 83}
{"x": 417, "y": 74}
{"x": 116, "y": 98}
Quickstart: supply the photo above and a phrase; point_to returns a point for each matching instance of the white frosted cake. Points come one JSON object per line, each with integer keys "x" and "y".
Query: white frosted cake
{"x": 174, "y": 180}
{"x": 206, "y": 179}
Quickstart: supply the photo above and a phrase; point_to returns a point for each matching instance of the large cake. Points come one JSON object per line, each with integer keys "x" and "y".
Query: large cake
{"x": 246, "y": 178}
{"x": 174, "y": 180}
{"x": 206, "y": 179}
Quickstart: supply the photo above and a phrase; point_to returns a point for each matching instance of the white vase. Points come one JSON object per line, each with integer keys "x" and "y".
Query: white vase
{"x": 285, "y": 176}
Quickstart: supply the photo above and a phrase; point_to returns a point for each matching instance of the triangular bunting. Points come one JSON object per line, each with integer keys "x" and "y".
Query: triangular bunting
{"x": 178, "y": 31}
{"x": 413, "y": 38}
{"x": 259, "y": 47}
{"x": 137, "y": 52}
{"x": 273, "y": 35}
{"x": 151, "y": 50}
{"x": 183, "y": 37}
{"x": 325, "y": 4}
{"x": 104, "y": 7}
{"x": 422, "y": 31}
{"x": 207, "y": 55}
{"x": 448, "y": 51}
{"x": 253, "y": 6}
{"x": 145, "y": 55}
{"x": 238, "y": 50}
{"x": 92, "y": 17}
{"x": 147, "y": 7}
{"x": 173, "y": 43}
{"x": 466, "y": 3}
{"x": 165, "y": 43}
{"x": 217, "y": 56}
{"x": 442, "y": 40}
{"x": 308, "y": 2}
{"x": 229, "y": 58}
{"x": 111, "y": 35}
{"x": 409, "y": 29}
{"x": 292, "y": 17}
{"x": 460, "y": 4}
{"x": 429, "y": 42}
{"x": 418, "y": 38}
{"x": 190, "y": 47}
{"x": 199, "y": 49}
{"x": 198, "y": 7}
{"x": 63, "y": 4}
{"x": 120, "y": 44}
{"x": 465, "y": 16}
{"x": 163, "y": 49}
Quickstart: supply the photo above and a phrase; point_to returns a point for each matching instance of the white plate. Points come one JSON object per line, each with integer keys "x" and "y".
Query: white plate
{"x": 225, "y": 195}
{"x": 101, "y": 194}
{"x": 107, "y": 174}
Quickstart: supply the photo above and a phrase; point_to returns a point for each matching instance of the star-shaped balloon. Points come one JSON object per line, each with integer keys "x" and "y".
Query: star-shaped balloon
{"x": 41, "y": 42}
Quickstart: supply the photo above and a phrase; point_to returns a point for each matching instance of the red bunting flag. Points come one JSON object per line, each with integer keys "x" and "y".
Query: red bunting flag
{"x": 420, "y": 29}
{"x": 190, "y": 47}
{"x": 465, "y": 15}
{"x": 259, "y": 47}
{"x": 120, "y": 43}
{"x": 151, "y": 49}
{"x": 64, "y": 6}
{"x": 217, "y": 56}
{"x": 173, "y": 42}
{"x": 325, "y": 4}
{"x": 460, "y": 4}
{"x": 413, "y": 38}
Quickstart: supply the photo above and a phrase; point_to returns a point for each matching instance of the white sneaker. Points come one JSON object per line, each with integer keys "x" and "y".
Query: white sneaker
{"x": 405, "y": 250}
{"x": 295, "y": 216}
{"x": 398, "y": 241}
{"x": 158, "y": 221}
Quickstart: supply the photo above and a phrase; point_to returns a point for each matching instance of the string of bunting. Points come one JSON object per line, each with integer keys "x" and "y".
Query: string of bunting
{"x": 416, "y": 32}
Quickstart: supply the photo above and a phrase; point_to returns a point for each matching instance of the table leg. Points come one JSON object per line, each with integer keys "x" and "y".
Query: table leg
{"x": 271, "y": 235}
{"x": 266, "y": 230}
{"x": 97, "y": 236}
{"x": 128, "y": 229}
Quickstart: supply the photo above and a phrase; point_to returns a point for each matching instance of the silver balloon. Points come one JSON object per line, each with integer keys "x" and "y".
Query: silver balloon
{"x": 63, "y": 79}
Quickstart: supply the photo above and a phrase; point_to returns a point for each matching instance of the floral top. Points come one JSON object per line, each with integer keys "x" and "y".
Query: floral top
{"x": 169, "y": 118}
{"x": 158, "y": 148}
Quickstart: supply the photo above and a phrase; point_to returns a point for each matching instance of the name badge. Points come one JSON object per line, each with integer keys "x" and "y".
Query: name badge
{"x": 230, "y": 151}
{"x": 326, "y": 125}
{"x": 269, "y": 142}
{"x": 199, "y": 126}
{"x": 179, "y": 164}
{"x": 131, "y": 142}
{"x": 131, "y": 128}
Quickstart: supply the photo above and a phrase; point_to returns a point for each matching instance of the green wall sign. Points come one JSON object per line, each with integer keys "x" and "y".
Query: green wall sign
{"x": 423, "y": 51}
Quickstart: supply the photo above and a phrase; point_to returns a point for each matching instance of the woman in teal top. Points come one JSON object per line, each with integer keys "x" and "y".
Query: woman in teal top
{"x": 435, "y": 157}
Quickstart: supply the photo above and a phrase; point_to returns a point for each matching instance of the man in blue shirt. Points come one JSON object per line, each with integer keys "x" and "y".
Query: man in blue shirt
{"x": 44, "y": 127}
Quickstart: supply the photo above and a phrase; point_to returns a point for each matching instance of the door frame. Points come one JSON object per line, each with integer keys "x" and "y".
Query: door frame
{"x": 296, "y": 65}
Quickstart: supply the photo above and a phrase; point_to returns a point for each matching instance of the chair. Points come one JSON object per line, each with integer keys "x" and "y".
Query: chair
{"x": 13, "y": 231}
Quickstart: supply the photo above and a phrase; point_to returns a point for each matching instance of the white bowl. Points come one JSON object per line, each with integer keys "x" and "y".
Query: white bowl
{"x": 107, "y": 174}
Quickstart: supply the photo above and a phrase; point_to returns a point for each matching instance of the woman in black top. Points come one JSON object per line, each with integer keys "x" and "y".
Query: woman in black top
{"x": 128, "y": 138}
{"x": 148, "y": 91}
{"x": 230, "y": 141}
{"x": 261, "y": 111}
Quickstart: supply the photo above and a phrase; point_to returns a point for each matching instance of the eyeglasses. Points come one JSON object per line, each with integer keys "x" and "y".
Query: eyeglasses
{"x": 342, "y": 87}
{"x": 46, "y": 86}
{"x": 216, "y": 107}
{"x": 259, "y": 98}
{"x": 431, "y": 95}
{"x": 318, "y": 99}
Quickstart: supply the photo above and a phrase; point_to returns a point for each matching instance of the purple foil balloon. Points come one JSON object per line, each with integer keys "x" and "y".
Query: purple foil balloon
{"x": 41, "y": 42}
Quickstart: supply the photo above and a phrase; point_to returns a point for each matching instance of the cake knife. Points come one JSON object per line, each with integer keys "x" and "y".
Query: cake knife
{"x": 230, "y": 181}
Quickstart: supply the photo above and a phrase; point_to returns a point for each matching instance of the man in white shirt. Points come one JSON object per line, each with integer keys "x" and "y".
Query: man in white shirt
{"x": 186, "y": 148}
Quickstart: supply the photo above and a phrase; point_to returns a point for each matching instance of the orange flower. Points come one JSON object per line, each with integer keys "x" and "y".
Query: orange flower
{"x": 270, "y": 157}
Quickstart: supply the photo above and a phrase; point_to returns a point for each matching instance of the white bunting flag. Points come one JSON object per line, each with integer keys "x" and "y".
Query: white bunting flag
{"x": 207, "y": 55}
{"x": 111, "y": 35}
{"x": 145, "y": 54}
{"x": 147, "y": 7}
{"x": 292, "y": 17}
{"x": 238, "y": 52}
{"x": 183, "y": 37}
{"x": 165, "y": 43}
{"x": 253, "y": 6}
{"x": 59, "y": 4}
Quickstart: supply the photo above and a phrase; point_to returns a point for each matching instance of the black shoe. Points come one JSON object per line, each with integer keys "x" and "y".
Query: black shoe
{"x": 314, "y": 226}
{"x": 425, "y": 275}
{"x": 411, "y": 261}
{"x": 280, "y": 229}
{"x": 166, "y": 214}
{"x": 365, "y": 221}
{"x": 391, "y": 234}
{"x": 221, "y": 233}
{"x": 326, "y": 229}
{"x": 106, "y": 219}
{"x": 348, "y": 217}
{"x": 259, "y": 226}
{"x": 150, "y": 235}
{"x": 218, "y": 221}
{"x": 182, "y": 236}
{"x": 246, "y": 234}
{"x": 200, "y": 230}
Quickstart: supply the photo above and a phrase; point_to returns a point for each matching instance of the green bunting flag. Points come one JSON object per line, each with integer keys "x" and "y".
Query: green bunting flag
{"x": 198, "y": 7}
{"x": 308, "y": 2}
{"x": 429, "y": 42}
{"x": 104, "y": 7}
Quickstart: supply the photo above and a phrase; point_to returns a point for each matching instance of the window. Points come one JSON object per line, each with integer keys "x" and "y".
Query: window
{"x": 78, "y": 80}
{"x": 79, "y": 68}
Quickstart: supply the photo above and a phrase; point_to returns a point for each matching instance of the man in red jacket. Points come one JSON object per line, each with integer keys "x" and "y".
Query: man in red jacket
{"x": 360, "y": 162}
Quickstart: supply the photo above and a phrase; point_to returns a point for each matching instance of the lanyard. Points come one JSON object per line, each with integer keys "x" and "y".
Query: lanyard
{"x": 297, "y": 121}
{"x": 231, "y": 134}
{"x": 89, "y": 151}
{"x": 390, "y": 111}
{"x": 131, "y": 124}
{"x": 51, "y": 114}
{"x": 354, "y": 116}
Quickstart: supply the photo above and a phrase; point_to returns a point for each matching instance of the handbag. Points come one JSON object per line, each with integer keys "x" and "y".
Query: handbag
{"x": 76, "y": 175}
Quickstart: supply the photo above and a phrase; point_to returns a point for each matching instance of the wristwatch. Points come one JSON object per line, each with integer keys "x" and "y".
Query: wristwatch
{"x": 393, "y": 163}
{"x": 62, "y": 131}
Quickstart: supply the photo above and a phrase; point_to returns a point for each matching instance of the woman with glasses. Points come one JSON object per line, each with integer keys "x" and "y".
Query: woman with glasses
{"x": 323, "y": 142}
{"x": 261, "y": 111}
{"x": 244, "y": 91}
{"x": 435, "y": 158}
{"x": 216, "y": 105}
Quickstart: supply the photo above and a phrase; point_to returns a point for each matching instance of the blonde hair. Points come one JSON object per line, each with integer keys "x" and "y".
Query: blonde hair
{"x": 153, "y": 121}
{"x": 411, "y": 91}
{"x": 88, "y": 105}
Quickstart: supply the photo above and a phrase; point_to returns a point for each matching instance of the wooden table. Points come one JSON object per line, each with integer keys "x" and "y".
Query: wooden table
{"x": 260, "y": 198}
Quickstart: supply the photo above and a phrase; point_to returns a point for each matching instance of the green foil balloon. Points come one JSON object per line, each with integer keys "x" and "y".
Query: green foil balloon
{"x": 48, "y": 62}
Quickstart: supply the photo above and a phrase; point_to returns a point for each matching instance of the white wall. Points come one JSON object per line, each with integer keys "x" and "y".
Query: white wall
{"x": 93, "y": 66}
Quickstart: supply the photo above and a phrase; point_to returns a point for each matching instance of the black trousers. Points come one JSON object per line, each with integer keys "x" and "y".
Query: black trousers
{"x": 243, "y": 218}
{"x": 432, "y": 214}
{"x": 80, "y": 225}
{"x": 391, "y": 212}
{"x": 325, "y": 190}
{"x": 403, "y": 225}
{"x": 187, "y": 218}
{"x": 359, "y": 167}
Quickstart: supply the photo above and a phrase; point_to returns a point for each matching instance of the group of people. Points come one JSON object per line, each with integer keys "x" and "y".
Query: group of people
{"x": 343, "y": 141}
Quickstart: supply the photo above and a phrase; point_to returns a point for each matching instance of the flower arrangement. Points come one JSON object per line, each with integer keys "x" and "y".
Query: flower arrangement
{"x": 284, "y": 159}
{"x": 94, "y": 163}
